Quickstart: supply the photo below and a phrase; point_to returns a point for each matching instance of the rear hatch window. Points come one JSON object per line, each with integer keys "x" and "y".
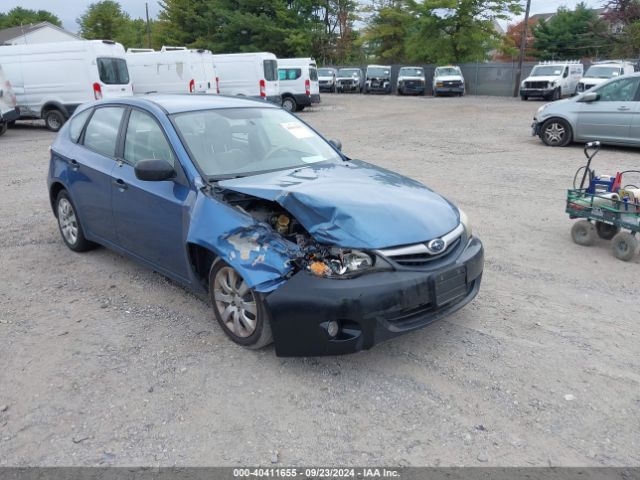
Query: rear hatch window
{"x": 270, "y": 70}
{"x": 113, "y": 71}
{"x": 313, "y": 74}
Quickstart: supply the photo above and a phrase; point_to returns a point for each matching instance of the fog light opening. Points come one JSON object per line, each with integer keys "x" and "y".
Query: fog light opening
{"x": 333, "y": 328}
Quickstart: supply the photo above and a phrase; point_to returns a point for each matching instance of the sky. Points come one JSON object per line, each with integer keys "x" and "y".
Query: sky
{"x": 69, "y": 10}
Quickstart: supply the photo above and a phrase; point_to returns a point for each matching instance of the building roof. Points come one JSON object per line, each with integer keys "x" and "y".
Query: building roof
{"x": 12, "y": 33}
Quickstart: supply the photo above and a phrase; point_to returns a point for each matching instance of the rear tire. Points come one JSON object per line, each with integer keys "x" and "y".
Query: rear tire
{"x": 69, "y": 224}
{"x": 240, "y": 311}
{"x": 524, "y": 98}
{"x": 289, "y": 104}
{"x": 624, "y": 246}
{"x": 54, "y": 120}
{"x": 606, "y": 231}
{"x": 556, "y": 132}
{"x": 3, "y": 128}
{"x": 583, "y": 233}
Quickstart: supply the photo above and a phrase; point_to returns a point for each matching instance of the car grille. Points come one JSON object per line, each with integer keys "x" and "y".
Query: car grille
{"x": 452, "y": 83}
{"x": 535, "y": 84}
{"x": 419, "y": 254}
{"x": 412, "y": 83}
{"x": 324, "y": 82}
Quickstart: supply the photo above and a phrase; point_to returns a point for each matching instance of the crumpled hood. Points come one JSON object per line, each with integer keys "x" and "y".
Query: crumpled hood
{"x": 548, "y": 78}
{"x": 410, "y": 77}
{"x": 354, "y": 204}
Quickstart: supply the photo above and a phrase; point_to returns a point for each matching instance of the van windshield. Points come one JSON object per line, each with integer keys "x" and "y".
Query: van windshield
{"x": 378, "y": 72}
{"x": 411, "y": 72}
{"x": 348, "y": 72}
{"x": 270, "y": 70}
{"x": 547, "y": 71}
{"x": 599, "y": 71}
{"x": 113, "y": 71}
{"x": 326, "y": 72}
{"x": 442, "y": 71}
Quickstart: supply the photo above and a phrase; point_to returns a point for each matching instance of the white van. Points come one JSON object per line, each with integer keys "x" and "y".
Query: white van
{"x": 552, "y": 80}
{"x": 51, "y": 79}
{"x": 600, "y": 72}
{"x": 249, "y": 75}
{"x": 8, "y": 111}
{"x": 299, "y": 86}
{"x": 171, "y": 70}
{"x": 448, "y": 80}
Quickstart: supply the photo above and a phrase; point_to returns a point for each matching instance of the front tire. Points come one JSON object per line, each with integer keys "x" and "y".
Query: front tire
{"x": 240, "y": 311}
{"x": 3, "y": 128}
{"x": 624, "y": 246}
{"x": 69, "y": 224}
{"x": 556, "y": 132}
{"x": 524, "y": 98}
{"x": 289, "y": 104}
{"x": 54, "y": 119}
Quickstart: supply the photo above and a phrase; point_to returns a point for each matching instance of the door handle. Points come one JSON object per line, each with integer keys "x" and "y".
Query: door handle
{"x": 624, "y": 109}
{"x": 120, "y": 184}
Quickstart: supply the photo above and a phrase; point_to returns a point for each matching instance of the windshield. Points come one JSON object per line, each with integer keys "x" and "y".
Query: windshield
{"x": 348, "y": 72}
{"x": 235, "y": 142}
{"x": 378, "y": 72}
{"x": 442, "y": 71}
{"x": 411, "y": 72}
{"x": 113, "y": 71}
{"x": 547, "y": 71}
{"x": 598, "y": 71}
{"x": 270, "y": 70}
{"x": 326, "y": 72}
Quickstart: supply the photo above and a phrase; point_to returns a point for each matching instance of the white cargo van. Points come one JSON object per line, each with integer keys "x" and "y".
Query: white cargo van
{"x": 552, "y": 80}
{"x": 51, "y": 79}
{"x": 249, "y": 75}
{"x": 600, "y": 72}
{"x": 171, "y": 70}
{"x": 299, "y": 86}
{"x": 8, "y": 110}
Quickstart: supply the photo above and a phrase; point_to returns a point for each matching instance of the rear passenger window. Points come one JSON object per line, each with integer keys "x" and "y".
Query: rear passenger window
{"x": 102, "y": 131}
{"x": 289, "y": 73}
{"x": 145, "y": 140}
{"x": 77, "y": 124}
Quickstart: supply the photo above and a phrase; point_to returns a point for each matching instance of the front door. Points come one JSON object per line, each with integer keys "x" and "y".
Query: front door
{"x": 150, "y": 217}
{"x": 609, "y": 118}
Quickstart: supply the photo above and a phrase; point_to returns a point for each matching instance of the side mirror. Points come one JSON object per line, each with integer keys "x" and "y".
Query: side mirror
{"x": 336, "y": 143}
{"x": 154, "y": 170}
{"x": 590, "y": 97}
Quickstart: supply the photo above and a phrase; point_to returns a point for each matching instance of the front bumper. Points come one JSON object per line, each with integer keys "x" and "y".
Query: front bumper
{"x": 536, "y": 92}
{"x": 535, "y": 128}
{"x": 449, "y": 89}
{"x": 370, "y": 308}
{"x": 10, "y": 115}
{"x": 411, "y": 88}
{"x": 326, "y": 87}
{"x": 378, "y": 88}
{"x": 348, "y": 87}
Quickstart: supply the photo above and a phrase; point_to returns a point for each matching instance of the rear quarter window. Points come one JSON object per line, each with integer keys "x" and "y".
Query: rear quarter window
{"x": 289, "y": 73}
{"x": 77, "y": 124}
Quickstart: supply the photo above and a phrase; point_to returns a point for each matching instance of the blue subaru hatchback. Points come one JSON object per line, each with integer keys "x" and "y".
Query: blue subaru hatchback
{"x": 292, "y": 241}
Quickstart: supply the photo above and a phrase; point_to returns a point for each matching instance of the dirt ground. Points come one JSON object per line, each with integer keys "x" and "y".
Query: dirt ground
{"x": 103, "y": 362}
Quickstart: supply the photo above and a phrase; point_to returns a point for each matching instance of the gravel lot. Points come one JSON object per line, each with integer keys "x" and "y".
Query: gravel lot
{"x": 104, "y": 362}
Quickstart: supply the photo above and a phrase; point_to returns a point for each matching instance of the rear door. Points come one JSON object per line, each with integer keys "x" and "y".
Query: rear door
{"x": 114, "y": 77}
{"x": 89, "y": 169}
{"x": 270, "y": 71}
{"x": 313, "y": 78}
{"x": 610, "y": 117}
{"x": 150, "y": 217}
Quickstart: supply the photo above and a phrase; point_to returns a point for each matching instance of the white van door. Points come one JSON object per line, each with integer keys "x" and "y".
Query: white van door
{"x": 113, "y": 76}
{"x": 269, "y": 85}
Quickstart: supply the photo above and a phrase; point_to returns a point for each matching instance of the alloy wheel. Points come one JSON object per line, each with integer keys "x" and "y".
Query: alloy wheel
{"x": 235, "y": 302}
{"x": 555, "y": 133}
{"x": 68, "y": 221}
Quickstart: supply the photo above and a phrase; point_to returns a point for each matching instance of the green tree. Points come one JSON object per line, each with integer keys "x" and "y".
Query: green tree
{"x": 623, "y": 18}
{"x": 387, "y": 31}
{"x": 23, "y": 16}
{"x": 456, "y": 31}
{"x": 106, "y": 20}
{"x": 571, "y": 34}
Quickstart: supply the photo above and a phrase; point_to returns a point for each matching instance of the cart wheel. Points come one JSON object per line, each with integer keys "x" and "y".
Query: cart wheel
{"x": 606, "y": 231}
{"x": 583, "y": 233}
{"x": 624, "y": 246}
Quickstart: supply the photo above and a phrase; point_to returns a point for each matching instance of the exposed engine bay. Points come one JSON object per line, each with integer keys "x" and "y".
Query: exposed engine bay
{"x": 320, "y": 260}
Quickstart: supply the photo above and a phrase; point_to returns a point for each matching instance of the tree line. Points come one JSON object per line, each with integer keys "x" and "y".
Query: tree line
{"x": 344, "y": 31}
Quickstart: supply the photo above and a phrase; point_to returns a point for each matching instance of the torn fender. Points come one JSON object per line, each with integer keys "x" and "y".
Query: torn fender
{"x": 260, "y": 255}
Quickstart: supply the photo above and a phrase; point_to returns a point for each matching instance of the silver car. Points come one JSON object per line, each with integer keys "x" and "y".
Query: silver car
{"x": 609, "y": 113}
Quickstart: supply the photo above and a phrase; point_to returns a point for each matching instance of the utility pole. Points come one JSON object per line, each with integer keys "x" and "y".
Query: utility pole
{"x": 146, "y": 7}
{"x": 523, "y": 49}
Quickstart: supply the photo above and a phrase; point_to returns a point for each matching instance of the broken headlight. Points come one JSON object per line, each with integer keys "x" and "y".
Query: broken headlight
{"x": 338, "y": 262}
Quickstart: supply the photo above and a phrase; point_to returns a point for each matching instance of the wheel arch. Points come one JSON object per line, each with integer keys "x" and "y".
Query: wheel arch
{"x": 559, "y": 117}
{"x": 54, "y": 190}
{"x": 54, "y": 105}
{"x": 201, "y": 258}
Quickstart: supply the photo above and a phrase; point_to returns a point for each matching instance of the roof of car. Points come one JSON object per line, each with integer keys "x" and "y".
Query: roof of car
{"x": 177, "y": 103}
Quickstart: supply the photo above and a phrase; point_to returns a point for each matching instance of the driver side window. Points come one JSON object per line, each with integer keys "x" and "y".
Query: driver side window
{"x": 145, "y": 140}
{"x": 623, "y": 90}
